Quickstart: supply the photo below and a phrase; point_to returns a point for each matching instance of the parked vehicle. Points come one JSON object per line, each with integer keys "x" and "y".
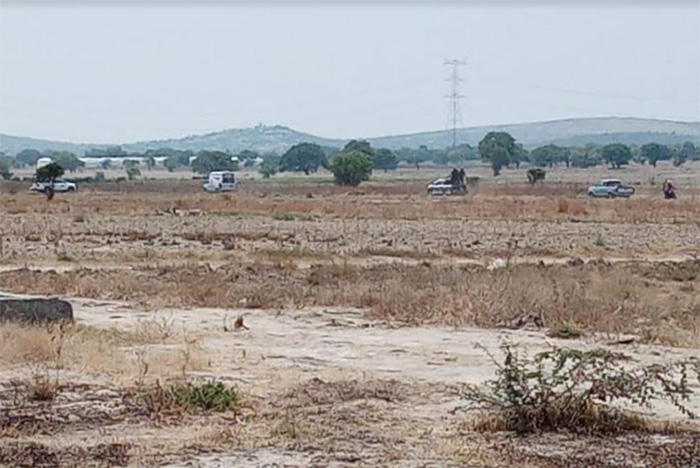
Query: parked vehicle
{"x": 220, "y": 181}
{"x": 59, "y": 185}
{"x": 610, "y": 188}
{"x": 445, "y": 187}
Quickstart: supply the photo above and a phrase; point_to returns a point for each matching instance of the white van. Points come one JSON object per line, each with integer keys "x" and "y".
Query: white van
{"x": 220, "y": 181}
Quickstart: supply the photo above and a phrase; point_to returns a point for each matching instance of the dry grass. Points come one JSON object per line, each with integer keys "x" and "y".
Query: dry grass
{"x": 390, "y": 201}
{"x": 598, "y": 298}
{"x": 53, "y": 350}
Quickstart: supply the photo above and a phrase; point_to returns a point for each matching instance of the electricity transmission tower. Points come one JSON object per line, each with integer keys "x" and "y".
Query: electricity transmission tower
{"x": 454, "y": 116}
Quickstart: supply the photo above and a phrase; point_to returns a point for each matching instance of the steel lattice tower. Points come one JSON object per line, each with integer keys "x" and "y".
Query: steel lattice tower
{"x": 454, "y": 116}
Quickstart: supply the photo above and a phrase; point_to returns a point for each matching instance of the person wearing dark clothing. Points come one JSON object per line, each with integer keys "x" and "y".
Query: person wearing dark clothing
{"x": 454, "y": 178}
{"x": 669, "y": 190}
{"x": 462, "y": 178}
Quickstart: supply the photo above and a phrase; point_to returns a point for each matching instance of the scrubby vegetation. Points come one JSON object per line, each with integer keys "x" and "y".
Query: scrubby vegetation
{"x": 575, "y": 390}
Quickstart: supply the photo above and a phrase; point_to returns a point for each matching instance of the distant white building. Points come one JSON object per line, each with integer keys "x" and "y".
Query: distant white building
{"x": 41, "y": 162}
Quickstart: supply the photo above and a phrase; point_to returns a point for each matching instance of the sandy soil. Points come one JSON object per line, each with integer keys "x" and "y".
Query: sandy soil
{"x": 312, "y": 370}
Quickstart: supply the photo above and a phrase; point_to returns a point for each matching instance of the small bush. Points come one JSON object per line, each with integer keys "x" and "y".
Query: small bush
{"x": 567, "y": 331}
{"x": 215, "y": 396}
{"x": 569, "y": 389}
{"x": 284, "y": 217}
{"x": 210, "y": 396}
{"x": 600, "y": 241}
{"x": 43, "y": 388}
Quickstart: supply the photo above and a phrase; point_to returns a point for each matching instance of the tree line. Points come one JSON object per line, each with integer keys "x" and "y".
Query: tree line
{"x": 500, "y": 149}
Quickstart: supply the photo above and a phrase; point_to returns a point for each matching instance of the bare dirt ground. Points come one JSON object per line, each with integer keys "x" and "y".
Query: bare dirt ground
{"x": 359, "y": 312}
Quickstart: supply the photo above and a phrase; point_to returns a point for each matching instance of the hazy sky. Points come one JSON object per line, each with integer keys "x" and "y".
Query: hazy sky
{"x": 101, "y": 72}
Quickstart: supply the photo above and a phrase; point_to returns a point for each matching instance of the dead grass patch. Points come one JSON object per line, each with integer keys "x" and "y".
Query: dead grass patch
{"x": 37, "y": 455}
{"x": 599, "y": 298}
{"x": 56, "y": 349}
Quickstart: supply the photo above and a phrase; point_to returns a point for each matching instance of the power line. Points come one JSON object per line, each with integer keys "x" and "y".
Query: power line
{"x": 454, "y": 116}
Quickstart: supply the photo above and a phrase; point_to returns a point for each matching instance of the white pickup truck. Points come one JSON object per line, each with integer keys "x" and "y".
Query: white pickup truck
{"x": 59, "y": 185}
{"x": 610, "y": 188}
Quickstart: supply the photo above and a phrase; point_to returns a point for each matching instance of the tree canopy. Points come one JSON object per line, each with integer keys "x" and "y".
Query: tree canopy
{"x": 549, "y": 155}
{"x": 499, "y": 148}
{"x": 359, "y": 145}
{"x": 208, "y": 161}
{"x": 616, "y": 154}
{"x": 654, "y": 152}
{"x": 270, "y": 165}
{"x": 50, "y": 172}
{"x": 68, "y": 161}
{"x": 29, "y": 156}
{"x": 303, "y": 157}
{"x": 5, "y": 164}
{"x": 351, "y": 167}
{"x": 385, "y": 159}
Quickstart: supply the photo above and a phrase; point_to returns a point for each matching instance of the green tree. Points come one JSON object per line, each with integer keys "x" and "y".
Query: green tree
{"x": 519, "y": 155}
{"x": 440, "y": 157}
{"x": 550, "y": 155}
{"x": 499, "y": 148}
{"x": 106, "y": 164}
{"x": 130, "y": 163}
{"x": 172, "y": 163}
{"x": 303, "y": 157}
{"x": 351, "y": 167}
{"x": 132, "y": 172}
{"x": 359, "y": 145}
{"x": 419, "y": 156}
{"x": 247, "y": 157}
{"x": 616, "y": 154}
{"x": 208, "y": 161}
{"x": 462, "y": 153}
{"x": 330, "y": 152}
{"x": 690, "y": 151}
{"x": 270, "y": 166}
{"x": 654, "y": 152}
{"x": 585, "y": 157}
{"x": 5, "y": 164}
{"x": 68, "y": 161}
{"x": 29, "y": 157}
{"x": 110, "y": 151}
{"x": 385, "y": 159}
{"x": 50, "y": 172}
{"x": 150, "y": 162}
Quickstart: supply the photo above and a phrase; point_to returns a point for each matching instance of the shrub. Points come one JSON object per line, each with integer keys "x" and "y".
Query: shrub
{"x": 49, "y": 172}
{"x": 351, "y": 168}
{"x": 566, "y": 331}
{"x": 212, "y": 395}
{"x": 132, "y": 172}
{"x": 572, "y": 390}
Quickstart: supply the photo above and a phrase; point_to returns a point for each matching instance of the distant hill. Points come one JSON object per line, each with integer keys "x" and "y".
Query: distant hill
{"x": 580, "y": 131}
{"x": 260, "y": 138}
{"x": 279, "y": 138}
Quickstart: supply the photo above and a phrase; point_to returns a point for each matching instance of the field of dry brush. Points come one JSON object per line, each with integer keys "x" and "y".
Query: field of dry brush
{"x": 343, "y": 321}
